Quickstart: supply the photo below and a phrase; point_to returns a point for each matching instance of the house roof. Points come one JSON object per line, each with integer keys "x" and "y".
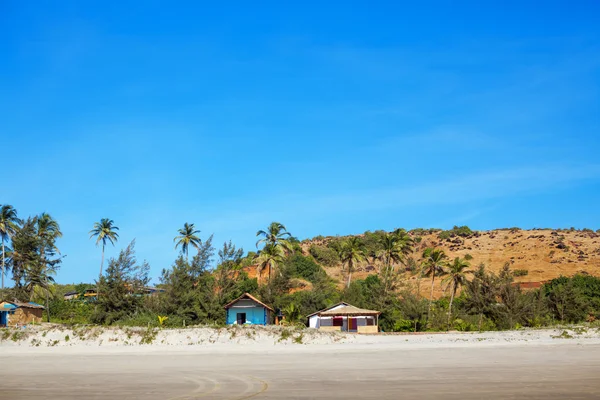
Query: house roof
{"x": 328, "y": 308}
{"x": 248, "y": 296}
{"x": 70, "y": 293}
{"x": 349, "y": 310}
{"x": 19, "y": 304}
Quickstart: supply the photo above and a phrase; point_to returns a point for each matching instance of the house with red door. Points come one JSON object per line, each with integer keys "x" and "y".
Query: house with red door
{"x": 344, "y": 317}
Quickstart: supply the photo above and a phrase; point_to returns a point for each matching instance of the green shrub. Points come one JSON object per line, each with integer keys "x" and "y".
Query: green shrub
{"x": 461, "y": 231}
{"x": 404, "y": 325}
{"x": 71, "y": 311}
{"x": 464, "y": 326}
{"x": 298, "y": 339}
{"x": 285, "y": 335}
{"x": 520, "y": 272}
{"x": 305, "y": 268}
{"x": 149, "y": 336}
{"x": 324, "y": 255}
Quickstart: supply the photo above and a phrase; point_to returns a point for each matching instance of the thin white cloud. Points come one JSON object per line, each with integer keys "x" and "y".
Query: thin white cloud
{"x": 448, "y": 191}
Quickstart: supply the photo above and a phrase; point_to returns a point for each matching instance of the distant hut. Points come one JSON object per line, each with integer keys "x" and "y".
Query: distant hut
{"x": 16, "y": 313}
{"x": 247, "y": 309}
{"x": 345, "y": 317}
{"x": 70, "y": 295}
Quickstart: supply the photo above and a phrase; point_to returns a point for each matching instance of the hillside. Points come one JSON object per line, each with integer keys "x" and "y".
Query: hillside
{"x": 540, "y": 255}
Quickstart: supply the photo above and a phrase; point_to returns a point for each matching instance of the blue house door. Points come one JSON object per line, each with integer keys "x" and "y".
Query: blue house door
{"x": 241, "y": 318}
{"x": 3, "y": 318}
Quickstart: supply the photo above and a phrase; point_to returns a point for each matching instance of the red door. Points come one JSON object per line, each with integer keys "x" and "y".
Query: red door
{"x": 353, "y": 324}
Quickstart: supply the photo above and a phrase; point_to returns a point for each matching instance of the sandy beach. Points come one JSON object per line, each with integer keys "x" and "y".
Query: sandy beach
{"x": 236, "y": 364}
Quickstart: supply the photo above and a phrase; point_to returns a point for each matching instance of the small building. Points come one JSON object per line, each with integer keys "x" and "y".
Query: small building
{"x": 247, "y": 309}
{"x": 90, "y": 293}
{"x": 70, "y": 295}
{"x": 16, "y": 313}
{"x": 345, "y": 317}
{"x": 152, "y": 291}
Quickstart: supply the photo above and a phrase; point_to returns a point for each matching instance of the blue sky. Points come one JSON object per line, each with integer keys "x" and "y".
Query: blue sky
{"x": 330, "y": 117}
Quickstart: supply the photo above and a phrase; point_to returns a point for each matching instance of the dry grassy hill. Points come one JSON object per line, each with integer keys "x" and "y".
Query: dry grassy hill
{"x": 545, "y": 254}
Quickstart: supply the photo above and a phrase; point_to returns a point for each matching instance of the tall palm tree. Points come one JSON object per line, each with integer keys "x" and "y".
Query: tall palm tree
{"x": 434, "y": 264}
{"x": 457, "y": 277}
{"x": 269, "y": 257}
{"x": 406, "y": 241}
{"x": 352, "y": 253}
{"x": 104, "y": 231}
{"x": 395, "y": 247}
{"x": 275, "y": 235}
{"x": 187, "y": 236}
{"x": 391, "y": 253}
{"x": 9, "y": 222}
{"x": 48, "y": 231}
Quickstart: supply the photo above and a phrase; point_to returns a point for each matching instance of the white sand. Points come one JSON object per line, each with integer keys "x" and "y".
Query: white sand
{"x": 255, "y": 338}
{"x": 255, "y": 362}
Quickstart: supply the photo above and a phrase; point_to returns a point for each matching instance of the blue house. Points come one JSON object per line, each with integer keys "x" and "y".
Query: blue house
{"x": 247, "y": 309}
{"x": 5, "y": 310}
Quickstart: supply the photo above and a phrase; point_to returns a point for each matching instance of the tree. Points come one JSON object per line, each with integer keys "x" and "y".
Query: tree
{"x": 104, "y": 231}
{"x": 48, "y": 231}
{"x": 566, "y": 299}
{"x": 413, "y": 308}
{"x": 482, "y": 294}
{"x": 276, "y": 235}
{"x": 24, "y": 257}
{"x": 457, "y": 277}
{"x": 187, "y": 236}
{"x": 191, "y": 290}
{"x": 9, "y": 223}
{"x": 395, "y": 247}
{"x": 269, "y": 257}
{"x": 123, "y": 275}
{"x": 434, "y": 264}
{"x": 229, "y": 273}
{"x": 352, "y": 252}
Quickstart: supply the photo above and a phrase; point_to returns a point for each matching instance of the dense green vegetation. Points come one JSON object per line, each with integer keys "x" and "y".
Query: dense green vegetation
{"x": 195, "y": 288}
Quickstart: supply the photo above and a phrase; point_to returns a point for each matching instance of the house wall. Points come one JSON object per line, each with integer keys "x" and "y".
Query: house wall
{"x": 255, "y": 313}
{"x": 325, "y": 323}
{"x": 25, "y": 316}
{"x": 314, "y": 321}
{"x": 368, "y": 329}
{"x": 330, "y": 328}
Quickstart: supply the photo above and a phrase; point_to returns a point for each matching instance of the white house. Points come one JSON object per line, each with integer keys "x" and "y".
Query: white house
{"x": 345, "y": 317}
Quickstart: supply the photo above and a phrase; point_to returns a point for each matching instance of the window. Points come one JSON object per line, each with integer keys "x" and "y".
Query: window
{"x": 338, "y": 321}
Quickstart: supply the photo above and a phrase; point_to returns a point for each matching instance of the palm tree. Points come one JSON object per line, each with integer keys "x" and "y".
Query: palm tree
{"x": 187, "y": 236}
{"x": 352, "y": 252}
{"x": 394, "y": 249}
{"x": 434, "y": 264}
{"x": 9, "y": 222}
{"x": 48, "y": 231}
{"x": 269, "y": 257}
{"x": 275, "y": 235}
{"x": 457, "y": 277}
{"x": 396, "y": 246}
{"x": 406, "y": 241}
{"x": 105, "y": 231}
